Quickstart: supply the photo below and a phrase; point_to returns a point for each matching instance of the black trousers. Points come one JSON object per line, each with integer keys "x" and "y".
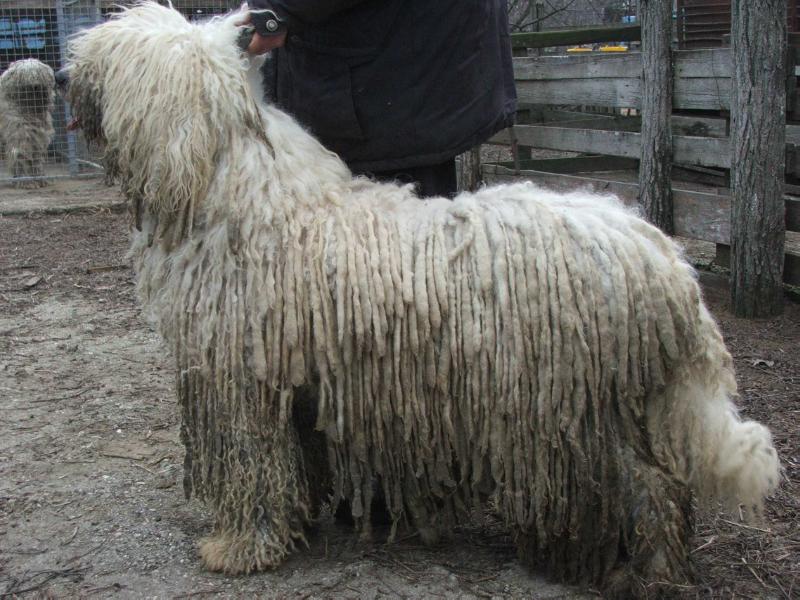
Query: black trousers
{"x": 430, "y": 180}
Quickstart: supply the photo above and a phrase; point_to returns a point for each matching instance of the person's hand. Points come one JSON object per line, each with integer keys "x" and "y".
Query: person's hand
{"x": 261, "y": 44}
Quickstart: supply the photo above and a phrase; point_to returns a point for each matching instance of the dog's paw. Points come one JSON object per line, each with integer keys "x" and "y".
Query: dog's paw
{"x": 242, "y": 553}
{"x": 30, "y": 184}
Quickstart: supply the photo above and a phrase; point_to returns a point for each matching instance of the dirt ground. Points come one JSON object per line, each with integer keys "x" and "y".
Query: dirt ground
{"x": 90, "y": 463}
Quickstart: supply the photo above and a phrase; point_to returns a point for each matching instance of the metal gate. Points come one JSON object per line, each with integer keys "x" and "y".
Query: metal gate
{"x": 40, "y": 29}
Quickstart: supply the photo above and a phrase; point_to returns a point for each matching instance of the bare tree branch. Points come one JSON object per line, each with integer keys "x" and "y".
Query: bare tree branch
{"x": 523, "y": 26}
{"x": 517, "y": 12}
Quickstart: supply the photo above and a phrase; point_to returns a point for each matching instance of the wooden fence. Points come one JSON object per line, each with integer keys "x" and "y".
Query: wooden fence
{"x": 609, "y": 145}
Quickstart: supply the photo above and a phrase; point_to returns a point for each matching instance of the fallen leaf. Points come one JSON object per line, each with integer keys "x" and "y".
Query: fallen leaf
{"x": 760, "y": 362}
{"x": 31, "y": 282}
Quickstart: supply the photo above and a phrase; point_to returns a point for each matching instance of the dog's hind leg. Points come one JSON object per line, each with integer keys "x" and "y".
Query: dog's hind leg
{"x": 638, "y": 549}
{"x": 654, "y": 543}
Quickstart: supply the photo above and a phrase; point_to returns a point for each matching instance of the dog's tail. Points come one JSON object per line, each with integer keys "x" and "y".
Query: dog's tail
{"x": 699, "y": 434}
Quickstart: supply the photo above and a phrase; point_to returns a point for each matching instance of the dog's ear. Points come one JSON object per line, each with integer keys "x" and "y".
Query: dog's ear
{"x": 182, "y": 155}
{"x": 168, "y": 111}
{"x": 170, "y": 95}
{"x": 170, "y": 149}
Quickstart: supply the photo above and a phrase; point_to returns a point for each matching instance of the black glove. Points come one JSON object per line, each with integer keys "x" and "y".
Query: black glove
{"x": 266, "y": 22}
{"x": 263, "y": 21}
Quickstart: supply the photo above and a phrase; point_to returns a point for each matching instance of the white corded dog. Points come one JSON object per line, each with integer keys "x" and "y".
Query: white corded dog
{"x": 548, "y": 352}
{"x": 27, "y": 96}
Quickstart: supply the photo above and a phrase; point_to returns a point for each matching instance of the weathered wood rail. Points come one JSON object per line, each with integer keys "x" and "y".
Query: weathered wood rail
{"x": 581, "y": 35}
{"x": 701, "y": 151}
{"x": 702, "y": 80}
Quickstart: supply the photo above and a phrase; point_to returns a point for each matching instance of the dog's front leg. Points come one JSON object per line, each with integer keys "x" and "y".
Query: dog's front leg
{"x": 246, "y": 464}
{"x": 260, "y": 507}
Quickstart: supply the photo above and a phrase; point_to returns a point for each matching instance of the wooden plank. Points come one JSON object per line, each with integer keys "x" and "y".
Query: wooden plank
{"x": 704, "y": 175}
{"x": 624, "y": 92}
{"x": 701, "y": 151}
{"x": 688, "y": 150}
{"x": 582, "y": 35}
{"x": 577, "y": 164}
{"x": 700, "y": 126}
{"x": 587, "y": 66}
{"x": 702, "y": 79}
{"x": 710, "y": 63}
{"x": 575, "y": 137}
{"x": 548, "y": 113}
{"x": 706, "y": 152}
{"x": 691, "y": 125}
{"x": 702, "y": 93}
{"x": 793, "y": 134}
{"x": 591, "y": 121}
{"x": 595, "y": 141}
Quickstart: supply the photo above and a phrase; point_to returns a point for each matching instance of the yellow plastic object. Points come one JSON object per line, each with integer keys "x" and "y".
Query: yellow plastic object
{"x": 613, "y": 49}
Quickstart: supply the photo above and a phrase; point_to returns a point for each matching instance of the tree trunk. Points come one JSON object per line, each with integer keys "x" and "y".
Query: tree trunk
{"x": 655, "y": 164}
{"x": 758, "y": 156}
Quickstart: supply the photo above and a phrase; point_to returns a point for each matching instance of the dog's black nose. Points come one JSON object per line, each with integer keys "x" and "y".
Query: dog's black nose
{"x": 62, "y": 79}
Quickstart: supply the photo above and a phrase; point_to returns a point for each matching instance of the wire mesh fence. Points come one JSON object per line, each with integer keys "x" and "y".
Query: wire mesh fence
{"x": 34, "y": 142}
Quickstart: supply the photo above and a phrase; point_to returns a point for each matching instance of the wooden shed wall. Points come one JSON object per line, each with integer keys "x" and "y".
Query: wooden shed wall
{"x": 704, "y": 23}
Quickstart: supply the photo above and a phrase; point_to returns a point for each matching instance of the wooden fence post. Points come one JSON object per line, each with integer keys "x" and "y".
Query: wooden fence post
{"x": 537, "y": 13}
{"x": 758, "y": 156}
{"x": 471, "y": 169}
{"x": 655, "y": 163}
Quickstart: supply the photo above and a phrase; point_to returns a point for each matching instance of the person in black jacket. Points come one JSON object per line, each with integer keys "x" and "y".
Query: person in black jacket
{"x": 397, "y": 88}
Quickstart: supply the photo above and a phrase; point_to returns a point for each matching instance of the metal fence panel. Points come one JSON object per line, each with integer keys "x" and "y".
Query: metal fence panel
{"x": 30, "y": 150}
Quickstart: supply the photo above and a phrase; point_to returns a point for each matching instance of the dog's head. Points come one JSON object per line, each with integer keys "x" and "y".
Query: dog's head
{"x": 30, "y": 84}
{"x": 164, "y": 96}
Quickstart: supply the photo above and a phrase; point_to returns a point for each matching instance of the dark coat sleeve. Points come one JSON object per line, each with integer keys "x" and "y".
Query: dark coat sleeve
{"x": 298, "y": 12}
